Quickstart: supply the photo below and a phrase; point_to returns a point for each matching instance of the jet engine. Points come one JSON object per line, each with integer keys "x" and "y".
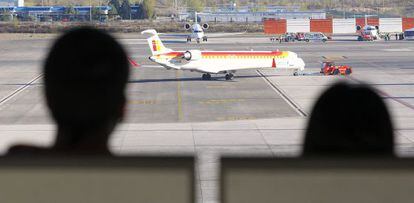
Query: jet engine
{"x": 192, "y": 55}
{"x": 205, "y": 26}
{"x": 187, "y": 26}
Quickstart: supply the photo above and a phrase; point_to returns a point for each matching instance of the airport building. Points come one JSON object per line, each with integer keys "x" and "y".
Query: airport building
{"x": 52, "y": 13}
{"x": 11, "y": 2}
{"x": 259, "y": 16}
{"x": 57, "y": 13}
{"x": 251, "y": 13}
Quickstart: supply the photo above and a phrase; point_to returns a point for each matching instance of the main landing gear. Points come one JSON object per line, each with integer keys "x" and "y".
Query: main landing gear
{"x": 206, "y": 76}
{"x": 229, "y": 76}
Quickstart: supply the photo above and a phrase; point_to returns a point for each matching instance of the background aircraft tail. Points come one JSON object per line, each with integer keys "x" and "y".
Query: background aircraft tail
{"x": 154, "y": 42}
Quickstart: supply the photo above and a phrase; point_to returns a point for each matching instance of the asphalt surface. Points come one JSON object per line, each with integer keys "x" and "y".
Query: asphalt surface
{"x": 173, "y": 112}
{"x": 157, "y": 95}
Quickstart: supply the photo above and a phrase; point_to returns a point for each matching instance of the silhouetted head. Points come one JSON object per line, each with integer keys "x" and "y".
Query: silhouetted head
{"x": 85, "y": 76}
{"x": 349, "y": 119}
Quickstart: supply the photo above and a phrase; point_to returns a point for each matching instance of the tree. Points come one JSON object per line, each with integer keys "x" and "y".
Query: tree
{"x": 195, "y": 5}
{"x": 148, "y": 8}
{"x": 5, "y": 14}
{"x": 70, "y": 10}
{"x": 96, "y": 13}
{"x": 125, "y": 10}
{"x": 114, "y": 4}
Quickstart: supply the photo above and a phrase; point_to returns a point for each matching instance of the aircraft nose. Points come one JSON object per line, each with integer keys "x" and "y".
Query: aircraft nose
{"x": 151, "y": 58}
{"x": 300, "y": 64}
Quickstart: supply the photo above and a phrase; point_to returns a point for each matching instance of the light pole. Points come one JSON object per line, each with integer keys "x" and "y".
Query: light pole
{"x": 90, "y": 10}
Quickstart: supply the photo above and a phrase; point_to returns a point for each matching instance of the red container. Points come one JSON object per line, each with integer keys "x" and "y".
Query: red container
{"x": 370, "y": 21}
{"x": 321, "y": 25}
{"x": 272, "y": 26}
{"x": 407, "y": 23}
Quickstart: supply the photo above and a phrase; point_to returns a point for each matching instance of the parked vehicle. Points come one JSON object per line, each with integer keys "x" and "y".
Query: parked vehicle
{"x": 329, "y": 68}
{"x": 300, "y": 36}
{"x": 289, "y": 37}
{"x": 315, "y": 36}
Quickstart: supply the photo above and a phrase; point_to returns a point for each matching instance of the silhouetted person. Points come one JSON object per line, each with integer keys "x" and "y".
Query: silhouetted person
{"x": 348, "y": 120}
{"x": 85, "y": 76}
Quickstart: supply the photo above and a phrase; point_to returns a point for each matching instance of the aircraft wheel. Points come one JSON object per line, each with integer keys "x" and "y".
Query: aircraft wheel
{"x": 198, "y": 41}
{"x": 229, "y": 76}
{"x": 204, "y": 39}
{"x": 206, "y": 76}
{"x": 295, "y": 73}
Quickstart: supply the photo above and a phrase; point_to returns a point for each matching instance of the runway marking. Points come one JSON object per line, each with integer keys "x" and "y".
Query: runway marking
{"x": 398, "y": 50}
{"x": 151, "y": 66}
{"x": 179, "y": 97}
{"x": 235, "y": 118}
{"x": 386, "y": 95}
{"x": 218, "y": 86}
{"x": 282, "y": 94}
{"x": 20, "y": 89}
{"x": 220, "y": 101}
{"x": 142, "y": 102}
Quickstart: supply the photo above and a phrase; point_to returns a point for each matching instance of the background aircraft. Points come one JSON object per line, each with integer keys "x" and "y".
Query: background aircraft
{"x": 220, "y": 62}
{"x": 197, "y": 31}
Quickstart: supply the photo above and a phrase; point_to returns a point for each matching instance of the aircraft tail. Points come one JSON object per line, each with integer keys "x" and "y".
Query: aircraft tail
{"x": 154, "y": 42}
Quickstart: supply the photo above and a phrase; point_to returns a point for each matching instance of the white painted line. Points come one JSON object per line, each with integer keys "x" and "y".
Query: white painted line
{"x": 20, "y": 89}
{"x": 151, "y": 66}
{"x": 282, "y": 94}
{"x": 398, "y": 50}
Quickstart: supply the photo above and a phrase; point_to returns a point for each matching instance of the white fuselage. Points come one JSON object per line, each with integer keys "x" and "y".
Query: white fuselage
{"x": 197, "y": 32}
{"x": 225, "y": 61}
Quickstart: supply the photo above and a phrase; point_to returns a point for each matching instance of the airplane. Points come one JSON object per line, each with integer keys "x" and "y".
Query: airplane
{"x": 219, "y": 62}
{"x": 197, "y": 31}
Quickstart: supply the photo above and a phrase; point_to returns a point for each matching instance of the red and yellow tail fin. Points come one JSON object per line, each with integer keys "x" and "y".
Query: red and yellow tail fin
{"x": 154, "y": 42}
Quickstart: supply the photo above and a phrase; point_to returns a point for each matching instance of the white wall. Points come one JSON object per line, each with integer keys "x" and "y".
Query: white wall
{"x": 298, "y": 25}
{"x": 390, "y": 25}
{"x": 344, "y": 26}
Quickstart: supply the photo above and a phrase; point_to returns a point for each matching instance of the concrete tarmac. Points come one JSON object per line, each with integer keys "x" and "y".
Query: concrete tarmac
{"x": 175, "y": 112}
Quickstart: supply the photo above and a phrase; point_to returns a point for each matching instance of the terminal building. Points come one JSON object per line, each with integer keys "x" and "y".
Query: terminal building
{"x": 259, "y": 16}
{"x": 53, "y": 13}
{"x": 232, "y": 13}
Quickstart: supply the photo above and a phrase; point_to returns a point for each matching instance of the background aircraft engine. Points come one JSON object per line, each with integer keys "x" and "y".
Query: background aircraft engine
{"x": 192, "y": 55}
{"x": 187, "y": 26}
{"x": 205, "y": 26}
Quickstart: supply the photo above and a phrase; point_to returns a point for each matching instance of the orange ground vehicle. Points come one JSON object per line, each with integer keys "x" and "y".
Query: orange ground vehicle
{"x": 329, "y": 68}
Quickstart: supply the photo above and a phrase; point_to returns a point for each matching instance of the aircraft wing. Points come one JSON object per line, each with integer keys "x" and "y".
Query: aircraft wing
{"x": 214, "y": 35}
{"x": 210, "y": 35}
{"x": 175, "y": 35}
